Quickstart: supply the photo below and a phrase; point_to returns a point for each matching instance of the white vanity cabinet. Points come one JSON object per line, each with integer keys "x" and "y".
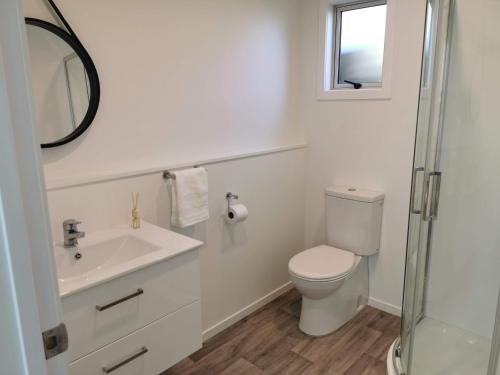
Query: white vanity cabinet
{"x": 141, "y": 322}
{"x": 153, "y": 348}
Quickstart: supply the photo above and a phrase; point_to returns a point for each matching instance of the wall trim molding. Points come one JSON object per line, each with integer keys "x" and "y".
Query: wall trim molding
{"x": 384, "y": 306}
{"x": 237, "y": 316}
{"x": 66, "y": 182}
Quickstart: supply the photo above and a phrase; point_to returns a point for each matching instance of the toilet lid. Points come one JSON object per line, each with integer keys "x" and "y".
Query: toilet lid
{"x": 322, "y": 262}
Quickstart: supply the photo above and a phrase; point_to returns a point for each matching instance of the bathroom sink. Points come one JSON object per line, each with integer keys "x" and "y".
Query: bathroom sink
{"x": 102, "y": 256}
{"x": 108, "y": 254}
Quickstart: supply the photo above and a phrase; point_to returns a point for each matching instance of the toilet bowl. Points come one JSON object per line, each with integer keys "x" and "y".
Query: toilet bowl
{"x": 331, "y": 296}
{"x": 333, "y": 278}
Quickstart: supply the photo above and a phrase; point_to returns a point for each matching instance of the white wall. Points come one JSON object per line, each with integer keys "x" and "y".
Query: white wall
{"x": 239, "y": 264}
{"x": 465, "y": 259}
{"x": 182, "y": 80}
{"x": 366, "y": 143}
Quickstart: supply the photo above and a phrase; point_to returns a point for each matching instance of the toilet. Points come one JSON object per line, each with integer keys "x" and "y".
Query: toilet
{"x": 333, "y": 278}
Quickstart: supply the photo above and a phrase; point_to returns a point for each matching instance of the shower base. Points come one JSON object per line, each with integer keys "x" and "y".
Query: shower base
{"x": 443, "y": 349}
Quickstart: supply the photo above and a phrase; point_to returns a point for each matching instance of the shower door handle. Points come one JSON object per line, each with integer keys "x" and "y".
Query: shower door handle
{"x": 431, "y": 196}
{"x": 413, "y": 192}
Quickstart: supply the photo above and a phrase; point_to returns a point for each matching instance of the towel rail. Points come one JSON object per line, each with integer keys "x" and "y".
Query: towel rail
{"x": 167, "y": 175}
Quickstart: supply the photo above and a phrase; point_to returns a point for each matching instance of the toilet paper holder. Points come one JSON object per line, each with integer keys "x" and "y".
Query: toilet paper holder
{"x": 230, "y": 196}
{"x": 236, "y": 213}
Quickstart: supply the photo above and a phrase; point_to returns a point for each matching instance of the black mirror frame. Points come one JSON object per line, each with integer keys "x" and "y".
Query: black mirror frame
{"x": 95, "y": 91}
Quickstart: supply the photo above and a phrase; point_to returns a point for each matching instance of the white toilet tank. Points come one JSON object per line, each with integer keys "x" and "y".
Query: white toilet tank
{"x": 354, "y": 219}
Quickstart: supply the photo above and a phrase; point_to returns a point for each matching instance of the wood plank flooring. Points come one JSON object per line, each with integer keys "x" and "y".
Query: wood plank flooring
{"x": 270, "y": 342}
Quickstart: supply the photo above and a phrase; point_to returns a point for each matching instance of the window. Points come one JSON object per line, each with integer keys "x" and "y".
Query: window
{"x": 359, "y": 44}
{"x": 355, "y": 56}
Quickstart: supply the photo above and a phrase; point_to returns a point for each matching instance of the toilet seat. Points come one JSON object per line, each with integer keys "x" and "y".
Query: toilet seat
{"x": 322, "y": 263}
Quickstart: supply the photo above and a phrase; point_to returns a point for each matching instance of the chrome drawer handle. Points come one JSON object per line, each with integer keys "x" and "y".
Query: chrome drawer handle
{"x": 141, "y": 352}
{"x": 118, "y": 301}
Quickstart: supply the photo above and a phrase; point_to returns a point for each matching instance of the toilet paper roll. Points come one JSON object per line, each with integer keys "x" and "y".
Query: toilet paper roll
{"x": 237, "y": 213}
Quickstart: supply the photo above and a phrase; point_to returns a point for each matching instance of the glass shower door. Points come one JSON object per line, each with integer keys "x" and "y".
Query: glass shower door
{"x": 425, "y": 179}
{"x": 451, "y": 316}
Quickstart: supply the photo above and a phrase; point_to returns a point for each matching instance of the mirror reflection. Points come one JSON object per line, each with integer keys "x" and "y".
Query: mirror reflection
{"x": 60, "y": 84}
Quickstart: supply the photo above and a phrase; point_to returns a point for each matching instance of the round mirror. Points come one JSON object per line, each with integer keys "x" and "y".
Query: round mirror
{"x": 65, "y": 83}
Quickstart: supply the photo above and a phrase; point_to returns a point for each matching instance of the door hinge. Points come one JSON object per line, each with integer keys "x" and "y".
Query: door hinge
{"x": 55, "y": 341}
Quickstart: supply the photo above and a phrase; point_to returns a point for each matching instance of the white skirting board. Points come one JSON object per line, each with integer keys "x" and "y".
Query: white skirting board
{"x": 384, "y": 306}
{"x": 230, "y": 320}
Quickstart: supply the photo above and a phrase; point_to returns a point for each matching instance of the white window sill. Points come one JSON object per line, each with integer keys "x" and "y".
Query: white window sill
{"x": 378, "y": 93}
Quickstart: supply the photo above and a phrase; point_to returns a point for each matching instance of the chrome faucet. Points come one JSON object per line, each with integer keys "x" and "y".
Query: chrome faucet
{"x": 71, "y": 233}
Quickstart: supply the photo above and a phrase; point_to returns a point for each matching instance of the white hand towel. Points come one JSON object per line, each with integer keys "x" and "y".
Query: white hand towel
{"x": 189, "y": 197}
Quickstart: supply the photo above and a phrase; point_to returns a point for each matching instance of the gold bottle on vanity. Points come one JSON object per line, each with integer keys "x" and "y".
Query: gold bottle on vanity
{"x": 136, "y": 219}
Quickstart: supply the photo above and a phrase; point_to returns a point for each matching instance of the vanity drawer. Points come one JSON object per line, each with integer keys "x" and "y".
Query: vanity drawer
{"x": 102, "y": 314}
{"x": 156, "y": 347}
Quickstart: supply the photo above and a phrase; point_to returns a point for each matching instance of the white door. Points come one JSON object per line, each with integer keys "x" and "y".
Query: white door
{"x": 29, "y": 300}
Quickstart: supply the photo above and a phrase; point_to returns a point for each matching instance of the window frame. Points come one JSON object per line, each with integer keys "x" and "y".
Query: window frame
{"x": 326, "y": 53}
{"x": 337, "y": 34}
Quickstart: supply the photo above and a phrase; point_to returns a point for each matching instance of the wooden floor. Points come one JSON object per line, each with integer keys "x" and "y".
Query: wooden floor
{"x": 270, "y": 342}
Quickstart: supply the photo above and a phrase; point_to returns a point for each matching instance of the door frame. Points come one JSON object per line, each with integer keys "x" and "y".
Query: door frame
{"x": 30, "y": 296}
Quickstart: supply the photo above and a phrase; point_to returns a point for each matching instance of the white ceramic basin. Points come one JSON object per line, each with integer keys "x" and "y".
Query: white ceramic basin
{"x": 111, "y": 253}
{"x": 102, "y": 256}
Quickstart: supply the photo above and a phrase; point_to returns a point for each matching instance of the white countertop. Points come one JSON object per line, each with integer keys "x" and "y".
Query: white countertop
{"x": 99, "y": 265}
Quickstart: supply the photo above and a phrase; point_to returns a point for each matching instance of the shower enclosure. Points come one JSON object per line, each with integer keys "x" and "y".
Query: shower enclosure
{"x": 451, "y": 314}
